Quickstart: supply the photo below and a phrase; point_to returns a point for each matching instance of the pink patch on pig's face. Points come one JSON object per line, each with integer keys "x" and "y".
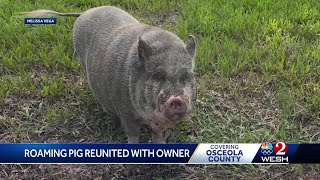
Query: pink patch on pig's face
{"x": 187, "y": 97}
{"x": 173, "y": 108}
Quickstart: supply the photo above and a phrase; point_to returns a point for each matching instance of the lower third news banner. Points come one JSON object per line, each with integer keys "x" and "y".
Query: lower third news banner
{"x": 265, "y": 153}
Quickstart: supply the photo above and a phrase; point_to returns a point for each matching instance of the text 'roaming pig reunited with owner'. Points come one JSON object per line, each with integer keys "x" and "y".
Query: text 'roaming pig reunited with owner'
{"x": 141, "y": 73}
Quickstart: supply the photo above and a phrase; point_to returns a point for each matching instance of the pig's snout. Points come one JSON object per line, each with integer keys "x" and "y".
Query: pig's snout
{"x": 175, "y": 108}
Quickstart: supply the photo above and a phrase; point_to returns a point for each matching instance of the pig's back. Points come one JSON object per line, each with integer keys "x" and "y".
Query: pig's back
{"x": 95, "y": 24}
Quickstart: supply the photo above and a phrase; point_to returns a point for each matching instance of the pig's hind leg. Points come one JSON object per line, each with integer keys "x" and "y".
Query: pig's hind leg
{"x": 132, "y": 129}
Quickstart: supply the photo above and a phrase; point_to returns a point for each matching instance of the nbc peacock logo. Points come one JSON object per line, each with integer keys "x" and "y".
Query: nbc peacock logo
{"x": 266, "y": 148}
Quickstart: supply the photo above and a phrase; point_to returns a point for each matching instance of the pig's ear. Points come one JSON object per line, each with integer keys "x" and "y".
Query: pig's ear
{"x": 191, "y": 45}
{"x": 144, "y": 50}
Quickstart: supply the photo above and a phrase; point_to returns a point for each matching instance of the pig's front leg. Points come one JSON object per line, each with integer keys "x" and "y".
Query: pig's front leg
{"x": 157, "y": 133}
{"x": 157, "y": 137}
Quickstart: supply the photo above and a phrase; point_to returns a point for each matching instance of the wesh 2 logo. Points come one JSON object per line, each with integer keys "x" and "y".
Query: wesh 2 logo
{"x": 274, "y": 153}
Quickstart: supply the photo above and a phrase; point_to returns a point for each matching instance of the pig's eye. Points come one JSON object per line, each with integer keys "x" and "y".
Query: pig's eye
{"x": 159, "y": 76}
{"x": 185, "y": 77}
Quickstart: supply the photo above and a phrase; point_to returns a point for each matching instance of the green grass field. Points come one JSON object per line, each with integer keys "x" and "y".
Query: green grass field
{"x": 257, "y": 67}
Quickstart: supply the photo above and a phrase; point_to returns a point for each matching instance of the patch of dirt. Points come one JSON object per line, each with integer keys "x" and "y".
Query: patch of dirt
{"x": 258, "y": 102}
{"x": 163, "y": 20}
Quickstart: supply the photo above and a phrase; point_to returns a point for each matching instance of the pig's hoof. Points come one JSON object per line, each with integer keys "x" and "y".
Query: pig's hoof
{"x": 158, "y": 141}
{"x": 133, "y": 139}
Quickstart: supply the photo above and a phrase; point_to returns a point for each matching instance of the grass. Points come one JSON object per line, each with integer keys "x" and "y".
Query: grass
{"x": 257, "y": 65}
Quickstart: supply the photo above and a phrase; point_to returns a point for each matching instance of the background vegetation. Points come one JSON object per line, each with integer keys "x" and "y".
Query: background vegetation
{"x": 258, "y": 72}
